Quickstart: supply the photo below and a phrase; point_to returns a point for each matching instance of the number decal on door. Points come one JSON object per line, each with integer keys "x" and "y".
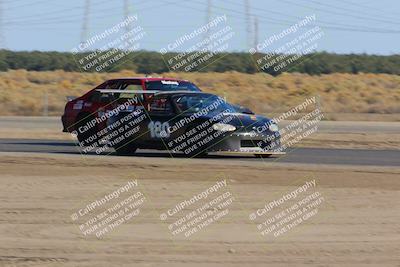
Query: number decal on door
{"x": 159, "y": 129}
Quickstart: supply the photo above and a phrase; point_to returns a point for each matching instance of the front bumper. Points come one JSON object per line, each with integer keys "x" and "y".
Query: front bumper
{"x": 249, "y": 143}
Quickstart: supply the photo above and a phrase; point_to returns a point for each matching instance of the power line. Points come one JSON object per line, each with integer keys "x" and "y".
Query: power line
{"x": 324, "y": 23}
{"x": 330, "y": 11}
{"x": 357, "y": 12}
{"x": 27, "y": 4}
{"x": 328, "y": 25}
{"x": 60, "y": 11}
{"x": 383, "y": 12}
{"x": 209, "y": 5}
{"x": 339, "y": 27}
{"x": 70, "y": 18}
{"x": 84, "y": 34}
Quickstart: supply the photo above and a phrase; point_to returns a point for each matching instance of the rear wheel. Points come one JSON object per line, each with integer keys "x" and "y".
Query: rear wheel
{"x": 88, "y": 137}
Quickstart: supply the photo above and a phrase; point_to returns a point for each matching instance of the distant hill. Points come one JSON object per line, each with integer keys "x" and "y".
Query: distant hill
{"x": 154, "y": 62}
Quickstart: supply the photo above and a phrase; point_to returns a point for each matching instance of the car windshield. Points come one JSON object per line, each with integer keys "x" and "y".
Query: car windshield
{"x": 204, "y": 103}
{"x": 171, "y": 86}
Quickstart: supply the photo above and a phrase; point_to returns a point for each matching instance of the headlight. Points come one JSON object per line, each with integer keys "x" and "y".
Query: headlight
{"x": 223, "y": 127}
{"x": 273, "y": 127}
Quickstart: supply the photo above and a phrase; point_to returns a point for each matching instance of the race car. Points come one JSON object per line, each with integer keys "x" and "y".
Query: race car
{"x": 78, "y": 111}
{"x": 189, "y": 122}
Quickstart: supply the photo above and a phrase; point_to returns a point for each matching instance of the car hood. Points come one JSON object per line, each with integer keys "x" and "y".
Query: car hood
{"x": 244, "y": 121}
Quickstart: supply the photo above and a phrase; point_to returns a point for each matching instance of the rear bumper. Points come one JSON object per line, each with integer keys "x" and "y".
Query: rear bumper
{"x": 63, "y": 123}
{"x": 66, "y": 125}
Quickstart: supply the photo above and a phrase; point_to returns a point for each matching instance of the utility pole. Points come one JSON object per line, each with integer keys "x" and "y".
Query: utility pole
{"x": 255, "y": 33}
{"x": 84, "y": 32}
{"x": 127, "y": 13}
{"x": 2, "y": 38}
{"x": 248, "y": 23}
{"x": 128, "y": 26}
{"x": 208, "y": 19}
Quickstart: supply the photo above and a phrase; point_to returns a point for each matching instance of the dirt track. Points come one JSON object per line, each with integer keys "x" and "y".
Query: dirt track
{"x": 330, "y": 134}
{"x": 357, "y": 224}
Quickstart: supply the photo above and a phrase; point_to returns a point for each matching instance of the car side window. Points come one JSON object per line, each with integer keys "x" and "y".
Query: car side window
{"x": 95, "y": 96}
{"x": 160, "y": 106}
{"x": 131, "y": 85}
{"x": 112, "y": 85}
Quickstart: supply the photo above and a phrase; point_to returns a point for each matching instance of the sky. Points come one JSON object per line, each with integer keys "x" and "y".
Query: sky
{"x": 349, "y": 26}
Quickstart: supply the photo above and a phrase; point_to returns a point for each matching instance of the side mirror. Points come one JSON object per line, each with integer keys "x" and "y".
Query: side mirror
{"x": 243, "y": 110}
{"x": 247, "y": 111}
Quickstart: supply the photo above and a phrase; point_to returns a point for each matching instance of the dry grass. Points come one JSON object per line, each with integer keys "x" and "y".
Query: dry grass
{"x": 22, "y": 92}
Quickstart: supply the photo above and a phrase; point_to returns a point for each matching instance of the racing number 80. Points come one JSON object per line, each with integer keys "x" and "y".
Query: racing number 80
{"x": 158, "y": 129}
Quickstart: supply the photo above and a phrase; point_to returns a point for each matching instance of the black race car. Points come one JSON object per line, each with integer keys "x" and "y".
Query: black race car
{"x": 193, "y": 123}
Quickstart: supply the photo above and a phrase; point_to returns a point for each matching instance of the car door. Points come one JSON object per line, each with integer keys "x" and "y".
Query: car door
{"x": 160, "y": 114}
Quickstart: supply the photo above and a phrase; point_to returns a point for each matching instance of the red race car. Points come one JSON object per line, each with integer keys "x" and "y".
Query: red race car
{"x": 80, "y": 111}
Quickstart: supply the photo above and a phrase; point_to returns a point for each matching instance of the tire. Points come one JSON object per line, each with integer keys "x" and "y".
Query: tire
{"x": 81, "y": 120}
{"x": 125, "y": 150}
{"x": 200, "y": 152}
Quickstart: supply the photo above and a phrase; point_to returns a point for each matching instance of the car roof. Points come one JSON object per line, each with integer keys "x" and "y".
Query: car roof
{"x": 148, "y": 79}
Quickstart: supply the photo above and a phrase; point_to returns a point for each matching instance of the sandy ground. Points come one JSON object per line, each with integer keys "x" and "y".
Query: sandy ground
{"x": 356, "y": 225}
